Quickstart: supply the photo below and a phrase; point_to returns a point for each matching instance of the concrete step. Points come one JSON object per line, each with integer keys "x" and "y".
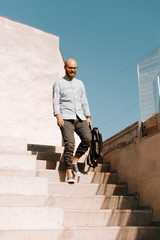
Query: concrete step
{"x": 102, "y": 167}
{"x": 54, "y": 154}
{"x": 89, "y": 177}
{"x": 18, "y": 218}
{"x": 52, "y": 165}
{"x": 17, "y": 173}
{"x": 44, "y": 148}
{"x": 17, "y": 162}
{"x": 23, "y": 185}
{"x": 55, "y": 165}
{"x": 83, "y": 202}
{"x": 87, "y": 233}
{"x": 83, "y": 189}
{"x": 54, "y": 217}
{"x": 13, "y": 146}
{"x": 53, "y": 157}
{"x": 103, "y": 218}
{"x": 60, "y": 165}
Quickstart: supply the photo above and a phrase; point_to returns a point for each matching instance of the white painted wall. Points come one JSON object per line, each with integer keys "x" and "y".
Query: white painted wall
{"x": 30, "y": 62}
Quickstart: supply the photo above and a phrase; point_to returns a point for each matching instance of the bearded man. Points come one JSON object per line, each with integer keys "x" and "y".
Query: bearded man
{"x": 71, "y": 109}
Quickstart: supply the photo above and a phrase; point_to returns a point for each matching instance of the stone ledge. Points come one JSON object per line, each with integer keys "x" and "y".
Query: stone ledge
{"x": 123, "y": 138}
{"x": 152, "y": 125}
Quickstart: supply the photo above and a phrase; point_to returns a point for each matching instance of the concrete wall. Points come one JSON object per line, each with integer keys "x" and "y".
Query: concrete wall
{"x": 137, "y": 162}
{"x": 30, "y": 62}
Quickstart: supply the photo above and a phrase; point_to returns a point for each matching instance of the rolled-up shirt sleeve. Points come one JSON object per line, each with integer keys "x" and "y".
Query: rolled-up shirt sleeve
{"x": 85, "y": 105}
{"x": 56, "y": 98}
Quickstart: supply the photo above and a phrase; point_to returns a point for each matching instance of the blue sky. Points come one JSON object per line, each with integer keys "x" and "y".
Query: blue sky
{"x": 107, "y": 38}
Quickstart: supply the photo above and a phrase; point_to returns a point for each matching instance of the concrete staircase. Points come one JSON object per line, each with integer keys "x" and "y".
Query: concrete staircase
{"x": 37, "y": 204}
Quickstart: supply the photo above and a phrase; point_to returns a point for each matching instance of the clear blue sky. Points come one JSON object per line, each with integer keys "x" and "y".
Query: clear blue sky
{"x": 107, "y": 38}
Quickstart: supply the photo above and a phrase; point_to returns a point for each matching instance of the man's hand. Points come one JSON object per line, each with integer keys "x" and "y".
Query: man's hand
{"x": 60, "y": 121}
{"x": 89, "y": 121}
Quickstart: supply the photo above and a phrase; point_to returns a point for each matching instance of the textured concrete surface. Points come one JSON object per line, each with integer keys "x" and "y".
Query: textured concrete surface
{"x": 18, "y": 173}
{"x": 13, "y": 145}
{"x": 84, "y": 189}
{"x": 30, "y": 62}
{"x": 90, "y": 202}
{"x": 17, "y": 162}
{"x": 103, "y": 218}
{"x": 151, "y": 125}
{"x": 32, "y": 207}
{"x": 137, "y": 162}
{"x": 23, "y": 185}
{"x": 90, "y": 177}
{"x": 87, "y": 233}
{"x": 19, "y": 218}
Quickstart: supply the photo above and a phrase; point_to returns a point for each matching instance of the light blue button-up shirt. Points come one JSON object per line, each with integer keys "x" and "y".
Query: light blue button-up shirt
{"x": 69, "y": 99}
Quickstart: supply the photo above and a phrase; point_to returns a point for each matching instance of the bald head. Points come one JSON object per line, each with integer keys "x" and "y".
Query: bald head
{"x": 70, "y": 61}
{"x": 70, "y": 68}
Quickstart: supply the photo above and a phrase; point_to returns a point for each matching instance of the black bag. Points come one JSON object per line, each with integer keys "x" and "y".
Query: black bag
{"x": 95, "y": 152}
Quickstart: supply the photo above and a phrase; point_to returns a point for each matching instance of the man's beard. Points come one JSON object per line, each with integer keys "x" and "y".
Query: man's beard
{"x": 70, "y": 76}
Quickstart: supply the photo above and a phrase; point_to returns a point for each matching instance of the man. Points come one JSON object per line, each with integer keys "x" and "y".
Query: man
{"x": 73, "y": 115}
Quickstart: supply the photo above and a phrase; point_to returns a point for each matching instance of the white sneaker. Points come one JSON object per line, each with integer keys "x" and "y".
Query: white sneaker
{"x": 70, "y": 179}
{"x": 76, "y": 170}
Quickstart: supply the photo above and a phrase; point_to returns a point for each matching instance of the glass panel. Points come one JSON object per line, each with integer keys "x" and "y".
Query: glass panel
{"x": 149, "y": 82}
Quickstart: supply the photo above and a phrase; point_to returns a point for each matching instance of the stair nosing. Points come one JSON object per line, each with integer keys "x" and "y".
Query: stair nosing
{"x": 108, "y": 210}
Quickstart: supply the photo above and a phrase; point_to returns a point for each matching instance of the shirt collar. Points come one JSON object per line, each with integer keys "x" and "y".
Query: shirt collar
{"x": 68, "y": 78}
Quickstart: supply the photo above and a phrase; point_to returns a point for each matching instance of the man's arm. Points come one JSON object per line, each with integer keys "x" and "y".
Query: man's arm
{"x": 85, "y": 106}
{"x": 89, "y": 120}
{"x": 60, "y": 121}
{"x": 56, "y": 106}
